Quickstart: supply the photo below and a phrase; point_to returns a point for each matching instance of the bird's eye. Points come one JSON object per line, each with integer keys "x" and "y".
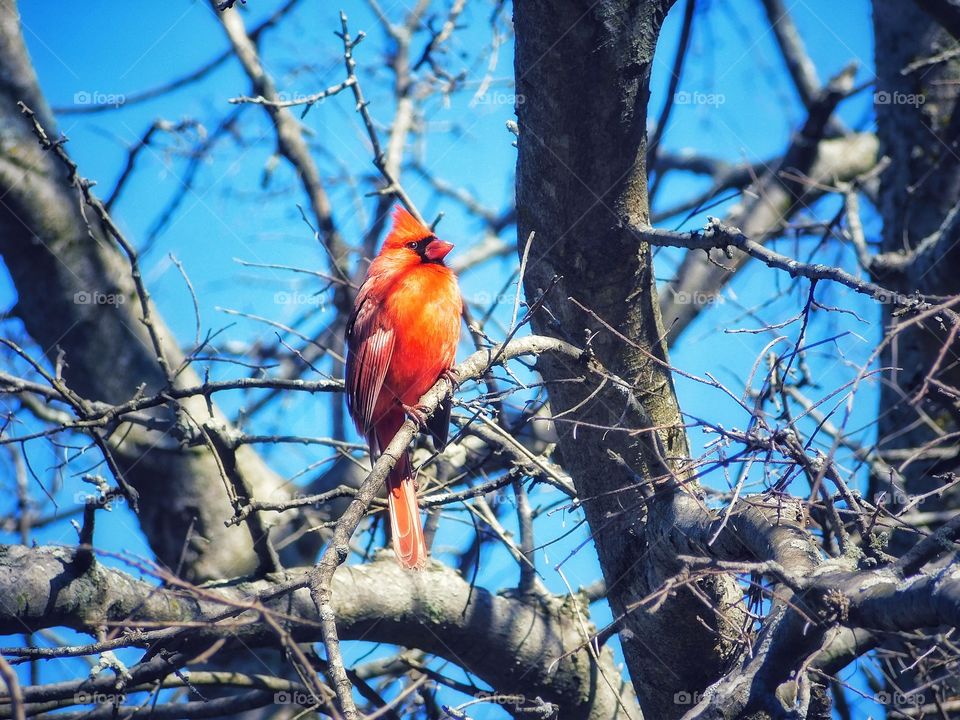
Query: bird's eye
{"x": 412, "y": 245}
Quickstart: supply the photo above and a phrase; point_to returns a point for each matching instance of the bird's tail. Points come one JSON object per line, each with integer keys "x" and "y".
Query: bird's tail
{"x": 405, "y": 525}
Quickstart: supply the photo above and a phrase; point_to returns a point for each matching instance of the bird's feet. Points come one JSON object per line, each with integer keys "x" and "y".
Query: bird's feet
{"x": 417, "y": 413}
{"x": 451, "y": 376}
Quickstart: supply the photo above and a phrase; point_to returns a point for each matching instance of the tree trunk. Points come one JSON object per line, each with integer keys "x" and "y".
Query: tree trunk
{"x": 60, "y": 264}
{"x": 918, "y": 125}
{"x": 583, "y": 73}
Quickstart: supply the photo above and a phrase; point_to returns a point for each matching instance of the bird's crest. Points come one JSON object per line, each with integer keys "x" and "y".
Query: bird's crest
{"x": 406, "y": 228}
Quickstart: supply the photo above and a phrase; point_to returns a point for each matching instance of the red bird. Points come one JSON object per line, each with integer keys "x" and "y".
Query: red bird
{"x": 401, "y": 338}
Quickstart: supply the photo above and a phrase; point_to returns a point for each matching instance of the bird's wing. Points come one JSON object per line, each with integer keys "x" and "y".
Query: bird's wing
{"x": 369, "y": 350}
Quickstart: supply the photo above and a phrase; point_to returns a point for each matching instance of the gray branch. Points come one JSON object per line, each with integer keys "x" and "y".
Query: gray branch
{"x": 518, "y": 647}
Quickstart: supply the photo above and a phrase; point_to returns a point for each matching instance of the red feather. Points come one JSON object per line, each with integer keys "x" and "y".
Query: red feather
{"x": 402, "y": 336}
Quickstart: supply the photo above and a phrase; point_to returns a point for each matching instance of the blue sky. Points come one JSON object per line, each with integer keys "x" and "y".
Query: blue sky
{"x": 240, "y": 208}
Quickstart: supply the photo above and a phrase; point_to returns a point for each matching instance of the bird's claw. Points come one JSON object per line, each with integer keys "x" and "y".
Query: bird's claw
{"x": 417, "y": 413}
{"x": 451, "y": 376}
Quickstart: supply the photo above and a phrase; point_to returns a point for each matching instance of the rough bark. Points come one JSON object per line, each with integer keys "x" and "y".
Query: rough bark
{"x": 583, "y": 72}
{"x": 519, "y": 646}
{"x": 918, "y": 125}
{"x": 918, "y": 198}
{"x": 56, "y": 259}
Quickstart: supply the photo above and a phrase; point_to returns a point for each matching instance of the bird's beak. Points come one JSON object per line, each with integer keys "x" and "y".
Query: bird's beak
{"x": 437, "y": 250}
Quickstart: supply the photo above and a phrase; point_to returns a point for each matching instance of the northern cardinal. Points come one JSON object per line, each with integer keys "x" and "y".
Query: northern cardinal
{"x": 401, "y": 338}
